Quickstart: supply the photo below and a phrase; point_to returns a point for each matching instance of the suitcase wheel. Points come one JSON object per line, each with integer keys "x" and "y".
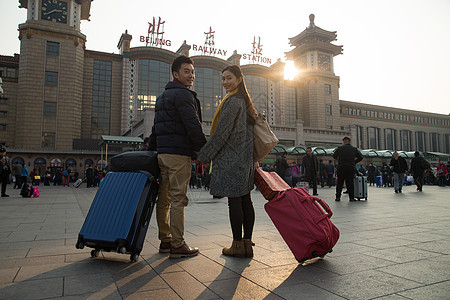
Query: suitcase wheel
{"x": 95, "y": 253}
{"x": 122, "y": 250}
{"x": 134, "y": 257}
{"x": 79, "y": 245}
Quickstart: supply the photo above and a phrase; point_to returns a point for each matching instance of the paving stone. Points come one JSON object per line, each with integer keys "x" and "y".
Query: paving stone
{"x": 60, "y": 270}
{"x": 436, "y": 291}
{"x": 273, "y": 277}
{"x": 7, "y": 274}
{"x": 402, "y": 254}
{"x": 138, "y": 277}
{"x": 187, "y": 287}
{"x": 352, "y": 263}
{"x": 304, "y": 291}
{"x": 426, "y": 271}
{"x": 89, "y": 283}
{"x": 33, "y": 261}
{"x": 365, "y": 285}
{"x": 240, "y": 288}
{"x": 168, "y": 294}
{"x": 33, "y": 289}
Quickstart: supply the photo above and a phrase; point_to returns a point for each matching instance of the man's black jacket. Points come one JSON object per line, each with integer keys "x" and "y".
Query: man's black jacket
{"x": 177, "y": 128}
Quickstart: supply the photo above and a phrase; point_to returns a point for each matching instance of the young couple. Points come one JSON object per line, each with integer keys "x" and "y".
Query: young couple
{"x": 178, "y": 137}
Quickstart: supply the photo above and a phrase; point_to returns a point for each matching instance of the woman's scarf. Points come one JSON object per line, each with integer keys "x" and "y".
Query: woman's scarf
{"x": 219, "y": 110}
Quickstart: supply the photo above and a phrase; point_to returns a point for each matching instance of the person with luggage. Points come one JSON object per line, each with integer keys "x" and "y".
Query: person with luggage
{"x": 177, "y": 136}
{"x": 310, "y": 169}
{"x": 371, "y": 174}
{"x": 230, "y": 149}
{"x": 418, "y": 166}
{"x": 441, "y": 171}
{"x": 17, "y": 171}
{"x": 399, "y": 166}
{"x": 5, "y": 170}
{"x": 329, "y": 168}
{"x": 348, "y": 156}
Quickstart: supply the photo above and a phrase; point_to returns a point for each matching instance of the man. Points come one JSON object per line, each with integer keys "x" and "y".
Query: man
{"x": 17, "y": 171}
{"x": 310, "y": 169}
{"x": 177, "y": 136}
{"x": 5, "y": 170}
{"x": 371, "y": 174}
{"x": 399, "y": 166}
{"x": 418, "y": 165}
{"x": 347, "y": 156}
{"x": 329, "y": 168}
{"x": 282, "y": 167}
{"x": 322, "y": 172}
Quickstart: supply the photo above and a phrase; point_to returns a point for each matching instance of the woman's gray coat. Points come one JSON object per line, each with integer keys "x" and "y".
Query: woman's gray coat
{"x": 231, "y": 150}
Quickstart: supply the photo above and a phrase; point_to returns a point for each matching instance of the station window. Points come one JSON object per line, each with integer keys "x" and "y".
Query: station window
{"x": 50, "y": 109}
{"x": 2, "y": 127}
{"x": 3, "y": 114}
{"x": 52, "y": 48}
{"x": 328, "y": 110}
{"x": 328, "y": 88}
{"x": 51, "y": 78}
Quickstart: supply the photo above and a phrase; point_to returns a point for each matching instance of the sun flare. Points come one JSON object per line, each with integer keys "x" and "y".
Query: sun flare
{"x": 290, "y": 71}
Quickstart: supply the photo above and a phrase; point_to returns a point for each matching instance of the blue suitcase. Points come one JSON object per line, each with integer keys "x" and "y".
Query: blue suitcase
{"x": 120, "y": 214}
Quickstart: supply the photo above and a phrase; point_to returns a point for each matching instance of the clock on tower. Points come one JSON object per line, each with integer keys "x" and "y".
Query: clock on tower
{"x": 54, "y": 11}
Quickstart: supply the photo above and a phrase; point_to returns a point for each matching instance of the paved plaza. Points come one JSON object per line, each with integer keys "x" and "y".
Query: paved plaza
{"x": 394, "y": 246}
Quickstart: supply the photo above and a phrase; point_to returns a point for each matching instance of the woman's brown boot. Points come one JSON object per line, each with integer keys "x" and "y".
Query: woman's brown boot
{"x": 248, "y": 245}
{"x": 237, "y": 249}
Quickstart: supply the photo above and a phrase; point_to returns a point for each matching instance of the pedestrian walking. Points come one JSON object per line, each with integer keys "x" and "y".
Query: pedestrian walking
{"x": 399, "y": 166}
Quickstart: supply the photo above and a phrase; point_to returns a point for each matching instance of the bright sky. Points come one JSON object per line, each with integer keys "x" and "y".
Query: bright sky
{"x": 396, "y": 52}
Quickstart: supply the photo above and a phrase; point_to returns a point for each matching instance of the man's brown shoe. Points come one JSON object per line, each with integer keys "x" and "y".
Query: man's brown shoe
{"x": 164, "y": 247}
{"x": 183, "y": 251}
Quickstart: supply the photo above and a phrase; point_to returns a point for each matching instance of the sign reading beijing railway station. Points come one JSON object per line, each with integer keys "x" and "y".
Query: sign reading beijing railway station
{"x": 155, "y": 38}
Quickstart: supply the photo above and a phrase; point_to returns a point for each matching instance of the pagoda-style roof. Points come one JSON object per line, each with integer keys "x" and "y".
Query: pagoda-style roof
{"x": 313, "y": 38}
{"x": 313, "y": 32}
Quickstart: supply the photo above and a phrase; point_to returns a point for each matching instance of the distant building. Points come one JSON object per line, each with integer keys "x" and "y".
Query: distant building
{"x": 59, "y": 97}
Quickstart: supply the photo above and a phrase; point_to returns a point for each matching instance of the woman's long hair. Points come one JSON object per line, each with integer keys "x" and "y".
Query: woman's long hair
{"x": 242, "y": 91}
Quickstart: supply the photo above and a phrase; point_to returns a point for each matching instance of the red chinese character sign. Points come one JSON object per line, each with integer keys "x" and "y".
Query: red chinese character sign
{"x": 155, "y": 34}
{"x": 255, "y": 56}
{"x": 209, "y": 46}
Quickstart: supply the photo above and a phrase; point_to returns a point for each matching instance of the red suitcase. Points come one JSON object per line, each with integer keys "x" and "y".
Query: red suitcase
{"x": 302, "y": 222}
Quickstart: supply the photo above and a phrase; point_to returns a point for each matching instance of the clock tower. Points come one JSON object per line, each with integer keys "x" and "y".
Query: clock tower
{"x": 51, "y": 74}
{"x": 318, "y": 94}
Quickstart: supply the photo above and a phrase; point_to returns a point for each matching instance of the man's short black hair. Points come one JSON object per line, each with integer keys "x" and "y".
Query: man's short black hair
{"x": 346, "y": 138}
{"x": 2, "y": 150}
{"x": 183, "y": 59}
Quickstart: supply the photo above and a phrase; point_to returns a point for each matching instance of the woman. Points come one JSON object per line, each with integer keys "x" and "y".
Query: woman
{"x": 441, "y": 172}
{"x": 230, "y": 149}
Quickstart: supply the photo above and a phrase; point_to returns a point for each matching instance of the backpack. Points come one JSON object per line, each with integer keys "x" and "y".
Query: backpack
{"x": 26, "y": 191}
{"x": 36, "y": 192}
{"x": 65, "y": 173}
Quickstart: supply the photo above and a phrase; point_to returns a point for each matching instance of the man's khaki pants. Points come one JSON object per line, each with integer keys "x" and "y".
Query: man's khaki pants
{"x": 172, "y": 197}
